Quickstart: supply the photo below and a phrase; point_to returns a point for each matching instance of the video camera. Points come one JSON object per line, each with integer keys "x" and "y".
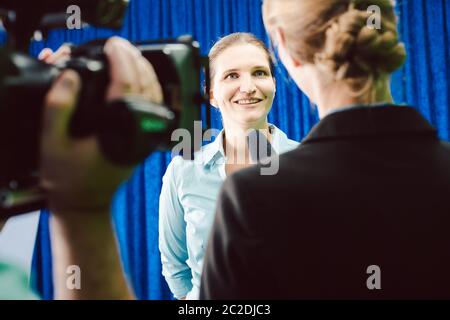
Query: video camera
{"x": 128, "y": 130}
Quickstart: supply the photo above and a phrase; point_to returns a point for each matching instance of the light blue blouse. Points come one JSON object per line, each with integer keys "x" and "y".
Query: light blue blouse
{"x": 187, "y": 208}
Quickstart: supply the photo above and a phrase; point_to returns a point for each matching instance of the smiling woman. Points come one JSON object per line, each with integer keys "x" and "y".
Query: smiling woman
{"x": 243, "y": 89}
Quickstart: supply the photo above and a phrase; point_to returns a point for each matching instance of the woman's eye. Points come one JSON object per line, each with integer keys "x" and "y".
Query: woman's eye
{"x": 260, "y": 73}
{"x": 232, "y": 76}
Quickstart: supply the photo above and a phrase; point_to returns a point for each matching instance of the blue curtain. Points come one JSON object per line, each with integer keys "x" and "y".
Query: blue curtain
{"x": 423, "y": 82}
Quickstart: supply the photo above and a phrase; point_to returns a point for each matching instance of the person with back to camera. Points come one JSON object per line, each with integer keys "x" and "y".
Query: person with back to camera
{"x": 360, "y": 208}
{"x": 243, "y": 88}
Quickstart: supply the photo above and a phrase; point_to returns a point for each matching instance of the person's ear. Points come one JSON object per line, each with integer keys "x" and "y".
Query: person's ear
{"x": 282, "y": 50}
{"x": 212, "y": 100}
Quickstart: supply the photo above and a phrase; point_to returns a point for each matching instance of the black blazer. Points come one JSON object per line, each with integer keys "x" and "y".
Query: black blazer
{"x": 368, "y": 188}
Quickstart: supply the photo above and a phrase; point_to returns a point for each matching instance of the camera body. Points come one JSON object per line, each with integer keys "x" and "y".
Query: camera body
{"x": 128, "y": 130}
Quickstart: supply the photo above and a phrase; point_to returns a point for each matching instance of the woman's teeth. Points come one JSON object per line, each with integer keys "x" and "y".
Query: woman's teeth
{"x": 248, "y": 101}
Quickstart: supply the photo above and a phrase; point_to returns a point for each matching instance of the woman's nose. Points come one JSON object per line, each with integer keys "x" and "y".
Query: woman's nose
{"x": 247, "y": 85}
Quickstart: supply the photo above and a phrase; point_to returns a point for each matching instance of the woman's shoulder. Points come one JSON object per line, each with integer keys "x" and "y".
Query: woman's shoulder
{"x": 292, "y": 144}
{"x": 179, "y": 165}
{"x": 178, "y": 170}
{"x": 285, "y": 144}
{"x": 181, "y": 171}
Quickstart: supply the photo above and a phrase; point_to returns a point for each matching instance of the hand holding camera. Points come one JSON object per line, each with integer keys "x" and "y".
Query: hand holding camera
{"x": 129, "y": 119}
{"x": 78, "y": 180}
{"x": 74, "y": 173}
{"x": 72, "y": 126}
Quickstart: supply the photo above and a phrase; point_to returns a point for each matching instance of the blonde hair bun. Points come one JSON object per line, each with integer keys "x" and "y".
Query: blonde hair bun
{"x": 353, "y": 48}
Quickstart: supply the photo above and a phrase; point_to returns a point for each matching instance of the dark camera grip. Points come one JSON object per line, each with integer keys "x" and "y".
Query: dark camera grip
{"x": 131, "y": 128}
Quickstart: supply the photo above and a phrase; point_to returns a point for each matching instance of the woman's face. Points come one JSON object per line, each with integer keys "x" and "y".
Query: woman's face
{"x": 243, "y": 88}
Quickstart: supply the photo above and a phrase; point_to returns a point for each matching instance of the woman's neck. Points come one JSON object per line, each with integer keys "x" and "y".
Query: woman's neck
{"x": 235, "y": 141}
{"x": 338, "y": 96}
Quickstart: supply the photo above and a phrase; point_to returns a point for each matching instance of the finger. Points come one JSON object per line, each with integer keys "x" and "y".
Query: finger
{"x": 45, "y": 53}
{"x": 62, "y": 53}
{"x": 134, "y": 56}
{"x": 150, "y": 86}
{"x": 59, "y": 105}
{"x": 123, "y": 77}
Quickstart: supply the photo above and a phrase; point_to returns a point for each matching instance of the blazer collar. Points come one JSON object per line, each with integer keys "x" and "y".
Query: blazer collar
{"x": 367, "y": 121}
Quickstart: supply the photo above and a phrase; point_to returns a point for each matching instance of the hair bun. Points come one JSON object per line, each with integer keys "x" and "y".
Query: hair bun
{"x": 352, "y": 48}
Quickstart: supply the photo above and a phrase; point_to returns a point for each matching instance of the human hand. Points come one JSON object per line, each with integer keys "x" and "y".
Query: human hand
{"x": 47, "y": 55}
{"x": 74, "y": 173}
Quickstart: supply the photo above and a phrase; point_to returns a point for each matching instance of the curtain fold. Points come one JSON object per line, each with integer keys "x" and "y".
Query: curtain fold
{"x": 423, "y": 82}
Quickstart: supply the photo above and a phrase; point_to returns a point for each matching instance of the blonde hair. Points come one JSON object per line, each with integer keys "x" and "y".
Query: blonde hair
{"x": 335, "y": 36}
{"x": 234, "y": 39}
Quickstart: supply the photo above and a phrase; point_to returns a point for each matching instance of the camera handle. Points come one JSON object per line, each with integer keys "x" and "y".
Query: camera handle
{"x": 132, "y": 127}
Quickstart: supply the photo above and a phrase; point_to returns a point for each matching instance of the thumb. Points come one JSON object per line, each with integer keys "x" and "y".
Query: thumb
{"x": 45, "y": 53}
{"x": 60, "y": 103}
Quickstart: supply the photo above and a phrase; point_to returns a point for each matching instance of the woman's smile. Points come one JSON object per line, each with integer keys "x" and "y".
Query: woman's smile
{"x": 248, "y": 102}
